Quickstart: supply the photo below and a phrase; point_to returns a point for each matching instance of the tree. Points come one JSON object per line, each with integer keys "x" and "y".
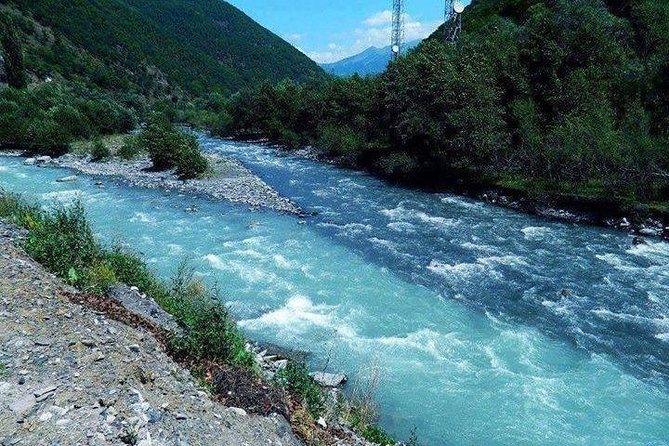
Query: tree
{"x": 12, "y": 51}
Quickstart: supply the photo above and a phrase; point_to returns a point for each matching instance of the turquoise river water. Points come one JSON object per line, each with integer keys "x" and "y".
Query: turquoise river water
{"x": 490, "y": 327}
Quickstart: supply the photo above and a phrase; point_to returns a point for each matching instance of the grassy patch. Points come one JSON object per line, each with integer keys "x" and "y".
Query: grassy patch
{"x": 296, "y": 379}
{"x": 3, "y": 370}
{"x": 113, "y": 143}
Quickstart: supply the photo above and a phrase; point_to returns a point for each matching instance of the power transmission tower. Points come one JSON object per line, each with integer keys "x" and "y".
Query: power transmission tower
{"x": 398, "y": 28}
{"x": 453, "y": 20}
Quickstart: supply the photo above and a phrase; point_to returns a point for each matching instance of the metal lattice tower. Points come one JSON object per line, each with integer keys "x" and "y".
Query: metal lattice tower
{"x": 398, "y": 28}
{"x": 453, "y": 20}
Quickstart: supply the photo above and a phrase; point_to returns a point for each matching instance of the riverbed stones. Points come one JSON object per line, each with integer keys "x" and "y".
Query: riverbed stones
{"x": 230, "y": 181}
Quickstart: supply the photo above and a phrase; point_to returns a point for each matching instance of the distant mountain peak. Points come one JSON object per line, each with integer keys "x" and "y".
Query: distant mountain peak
{"x": 373, "y": 60}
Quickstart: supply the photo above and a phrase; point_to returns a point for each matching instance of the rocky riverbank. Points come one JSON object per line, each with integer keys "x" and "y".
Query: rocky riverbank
{"x": 94, "y": 370}
{"x": 229, "y": 180}
{"x": 72, "y": 375}
{"x": 639, "y": 220}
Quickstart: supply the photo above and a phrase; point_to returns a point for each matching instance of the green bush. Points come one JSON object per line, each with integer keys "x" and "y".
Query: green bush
{"x": 377, "y": 435}
{"x": 63, "y": 241}
{"x": 190, "y": 161}
{"x": 210, "y": 333}
{"x": 45, "y": 136}
{"x": 130, "y": 149}
{"x": 170, "y": 148}
{"x": 296, "y": 379}
{"x": 97, "y": 279}
{"x": 131, "y": 270}
{"x": 99, "y": 151}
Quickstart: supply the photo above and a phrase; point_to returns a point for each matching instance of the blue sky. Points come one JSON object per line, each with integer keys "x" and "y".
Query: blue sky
{"x": 329, "y": 30}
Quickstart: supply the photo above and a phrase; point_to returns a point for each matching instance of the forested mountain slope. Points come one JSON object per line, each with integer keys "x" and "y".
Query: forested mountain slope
{"x": 554, "y": 97}
{"x": 199, "y": 45}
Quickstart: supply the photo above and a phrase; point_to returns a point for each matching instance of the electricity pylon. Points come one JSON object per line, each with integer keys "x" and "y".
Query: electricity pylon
{"x": 453, "y": 20}
{"x": 398, "y": 28}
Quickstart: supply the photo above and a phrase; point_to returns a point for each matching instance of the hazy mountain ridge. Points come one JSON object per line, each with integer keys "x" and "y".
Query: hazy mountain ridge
{"x": 371, "y": 61}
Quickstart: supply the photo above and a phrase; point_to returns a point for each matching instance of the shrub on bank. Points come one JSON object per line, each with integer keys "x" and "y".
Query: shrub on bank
{"x": 170, "y": 148}
{"x": 100, "y": 151}
{"x": 130, "y": 149}
{"x": 63, "y": 241}
{"x": 296, "y": 379}
{"x": 210, "y": 333}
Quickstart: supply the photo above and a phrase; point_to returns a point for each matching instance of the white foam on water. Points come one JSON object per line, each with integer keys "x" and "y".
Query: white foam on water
{"x": 436, "y": 221}
{"x": 661, "y": 323}
{"x": 480, "y": 247}
{"x": 298, "y": 315}
{"x": 508, "y": 260}
{"x": 536, "y": 232}
{"x": 250, "y": 253}
{"x": 663, "y": 336}
{"x": 174, "y": 249}
{"x": 402, "y": 226}
{"x": 349, "y": 228}
{"x": 461, "y": 202}
{"x": 143, "y": 217}
{"x": 63, "y": 196}
{"x": 425, "y": 340}
{"x": 656, "y": 252}
{"x": 215, "y": 261}
{"x": 391, "y": 247}
{"x": 283, "y": 263}
{"x": 457, "y": 270}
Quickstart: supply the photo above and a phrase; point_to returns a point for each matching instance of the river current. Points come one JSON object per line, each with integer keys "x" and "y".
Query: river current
{"x": 488, "y": 326}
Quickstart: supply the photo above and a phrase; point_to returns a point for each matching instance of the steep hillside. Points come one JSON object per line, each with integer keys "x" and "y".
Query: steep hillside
{"x": 371, "y": 61}
{"x": 199, "y": 45}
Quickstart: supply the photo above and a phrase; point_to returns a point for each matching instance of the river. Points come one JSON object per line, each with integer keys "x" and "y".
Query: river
{"x": 489, "y": 326}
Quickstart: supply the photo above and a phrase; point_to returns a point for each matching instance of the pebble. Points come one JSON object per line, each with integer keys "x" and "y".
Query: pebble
{"x": 23, "y": 405}
{"x": 237, "y": 411}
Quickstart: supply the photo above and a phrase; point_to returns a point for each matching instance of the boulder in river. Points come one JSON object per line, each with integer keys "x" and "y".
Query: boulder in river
{"x": 30, "y": 161}
{"x": 43, "y": 159}
{"x": 329, "y": 379}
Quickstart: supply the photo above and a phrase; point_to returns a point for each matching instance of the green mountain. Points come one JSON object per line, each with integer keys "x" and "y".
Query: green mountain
{"x": 197, "y": 45}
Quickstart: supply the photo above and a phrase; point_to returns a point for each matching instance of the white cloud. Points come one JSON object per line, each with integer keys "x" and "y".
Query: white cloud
{"x": 295, "y": 37}
{"x": 376, "y": 32}
{"x": 380, "y": 18}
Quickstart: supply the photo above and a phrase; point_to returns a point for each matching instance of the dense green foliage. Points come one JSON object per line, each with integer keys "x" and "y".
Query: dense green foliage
{"x": 46, "y": 118}
{"x": 171, "y": 148}
{"x": 12, "y": 48}
{"x": 210, "y": 332}
{"x": 196, "y": 45}
{"x": 100, "y": 151}
{"x": 553, "y": 95}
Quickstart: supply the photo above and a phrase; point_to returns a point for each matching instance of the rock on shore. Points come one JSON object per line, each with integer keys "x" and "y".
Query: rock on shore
{"x": 69, "y": 375}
